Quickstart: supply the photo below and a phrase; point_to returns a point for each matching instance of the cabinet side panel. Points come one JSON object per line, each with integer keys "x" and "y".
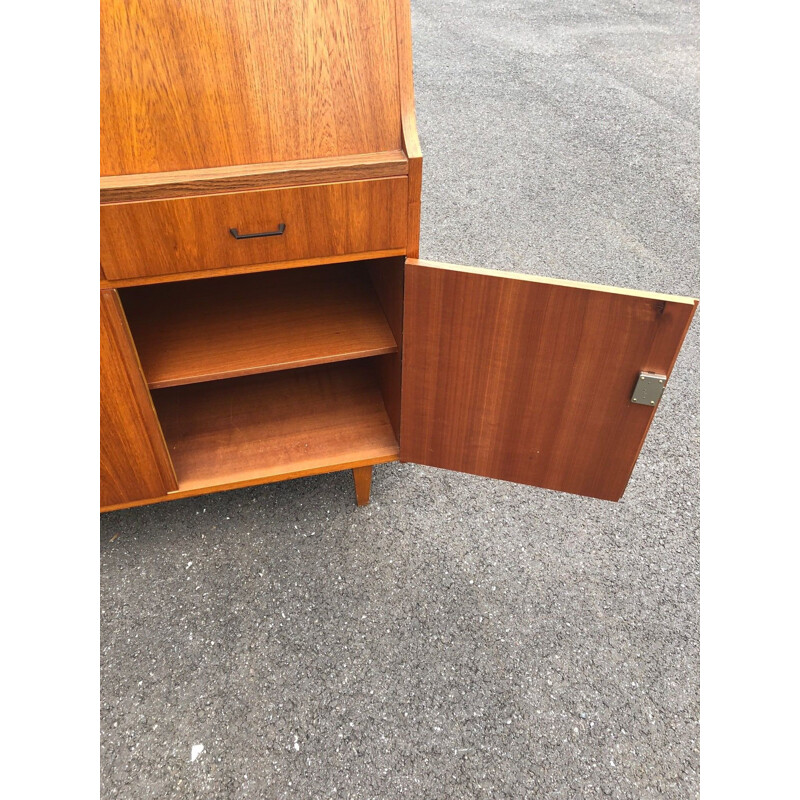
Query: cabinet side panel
{"x": 409, "y": 124}
{"x": 530, "y": 381}
{"x": 387, "y": 279}
{"x": 134, "y": 463}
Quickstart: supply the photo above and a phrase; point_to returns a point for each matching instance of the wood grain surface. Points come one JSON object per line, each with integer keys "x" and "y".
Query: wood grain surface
{"x": 362, "y": 477}
{"x": 248, "y": 269}
{"x": 170, "y": 236}
{"x": 227, "y": 327}
{"x": 275, "y": 425}
{"x": 245, "y": 177}
{"x": 529, "y": 380}
{"x": 408, "y": 118}
{"x": 302, "y": 473}
{"x": 134, "y": 464}
{"x": 387, "y": 278}
{"x": 196, "y": 84}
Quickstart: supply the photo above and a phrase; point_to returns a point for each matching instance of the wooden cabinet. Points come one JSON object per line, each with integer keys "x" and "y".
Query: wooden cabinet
{"x": 264, "y": 311}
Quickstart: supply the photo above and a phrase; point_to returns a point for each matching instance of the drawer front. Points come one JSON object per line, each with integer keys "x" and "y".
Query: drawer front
{"x": 161, "y": 237}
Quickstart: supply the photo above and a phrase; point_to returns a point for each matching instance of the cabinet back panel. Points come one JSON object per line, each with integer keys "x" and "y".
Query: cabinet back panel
{"x": 194, "y": 84}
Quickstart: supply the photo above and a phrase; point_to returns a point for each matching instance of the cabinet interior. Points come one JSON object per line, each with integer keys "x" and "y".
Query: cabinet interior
{"x": 274, "y": 374}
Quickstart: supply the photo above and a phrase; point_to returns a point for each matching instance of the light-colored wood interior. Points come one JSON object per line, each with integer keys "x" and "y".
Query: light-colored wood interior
{"x": 242, "y": 325}
{"x": 276, "y": 425}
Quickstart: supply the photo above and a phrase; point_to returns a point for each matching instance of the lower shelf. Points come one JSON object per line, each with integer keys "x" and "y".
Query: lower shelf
{"x": 275, "y": 425}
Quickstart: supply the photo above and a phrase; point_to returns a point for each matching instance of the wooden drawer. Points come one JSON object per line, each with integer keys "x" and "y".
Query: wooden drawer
{"x": 160, "y": 237}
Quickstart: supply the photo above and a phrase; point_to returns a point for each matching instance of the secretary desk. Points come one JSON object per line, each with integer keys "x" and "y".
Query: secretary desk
{"x": 264, "y": 311}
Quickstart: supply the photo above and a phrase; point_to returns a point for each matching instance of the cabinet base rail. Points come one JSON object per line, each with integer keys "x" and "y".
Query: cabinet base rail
{"x": 362, "y": 477}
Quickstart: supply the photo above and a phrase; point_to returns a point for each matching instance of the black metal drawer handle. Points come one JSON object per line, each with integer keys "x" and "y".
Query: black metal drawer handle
{"x": 236, "y": 235}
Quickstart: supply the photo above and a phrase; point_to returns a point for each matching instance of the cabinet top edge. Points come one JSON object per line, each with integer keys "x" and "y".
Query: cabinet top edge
{"x": 594, "y": 287}
{"x": 279, "y": 174}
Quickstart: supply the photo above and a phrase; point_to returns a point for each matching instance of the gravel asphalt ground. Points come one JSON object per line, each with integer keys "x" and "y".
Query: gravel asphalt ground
{"x": 459, "y": 637}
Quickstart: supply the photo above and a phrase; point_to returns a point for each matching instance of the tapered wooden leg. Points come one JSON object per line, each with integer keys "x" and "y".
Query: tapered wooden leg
{"x": 363, "y": 480}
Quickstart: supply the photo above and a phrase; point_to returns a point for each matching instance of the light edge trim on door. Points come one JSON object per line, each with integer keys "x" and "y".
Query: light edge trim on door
{"x": 595, "y": 287}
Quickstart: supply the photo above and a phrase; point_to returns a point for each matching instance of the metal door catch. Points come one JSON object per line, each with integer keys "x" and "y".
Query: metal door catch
{"x": 649, "y": 388}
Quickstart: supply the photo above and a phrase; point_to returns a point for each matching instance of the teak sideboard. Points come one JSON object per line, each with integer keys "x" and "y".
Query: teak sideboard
{"x": 264, "y": 312}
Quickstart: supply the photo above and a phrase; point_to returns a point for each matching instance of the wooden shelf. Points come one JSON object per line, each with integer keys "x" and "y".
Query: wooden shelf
{"x": 216, "y": 328}
{"x": 276, "y": 426}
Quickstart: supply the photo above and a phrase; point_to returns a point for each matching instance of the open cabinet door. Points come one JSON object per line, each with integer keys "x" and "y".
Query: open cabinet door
{"x": 530, "y": 379}
{"x": 134, "y": 462}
